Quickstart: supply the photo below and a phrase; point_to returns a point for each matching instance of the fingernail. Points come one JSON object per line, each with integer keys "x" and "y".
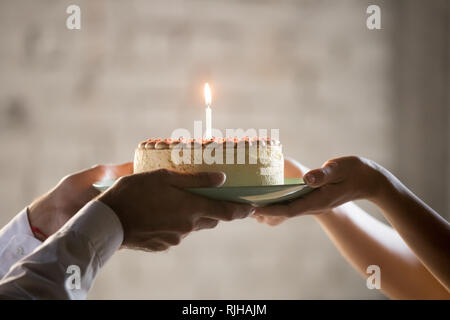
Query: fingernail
{"x": 217, "y": 178}
{"x": 332, "y": 164}
{"x": 310, "y": 179}
{"x": 224, "y": 178}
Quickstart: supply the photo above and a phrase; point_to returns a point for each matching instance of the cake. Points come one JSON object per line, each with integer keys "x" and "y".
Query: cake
{"x": 245, "y": 161}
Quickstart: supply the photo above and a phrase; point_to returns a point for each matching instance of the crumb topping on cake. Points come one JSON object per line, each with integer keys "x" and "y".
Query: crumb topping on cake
{"x": 231, "y": 142}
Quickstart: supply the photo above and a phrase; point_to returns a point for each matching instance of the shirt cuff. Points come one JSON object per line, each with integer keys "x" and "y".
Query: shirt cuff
{"x": 16, "y": 241}
{"x": 100, "y": 225}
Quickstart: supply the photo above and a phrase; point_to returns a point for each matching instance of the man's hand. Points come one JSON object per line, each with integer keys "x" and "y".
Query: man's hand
{"x": 52, "y": 210}
{"x": 338, "y": 181}
{"x": 157, "y": 213}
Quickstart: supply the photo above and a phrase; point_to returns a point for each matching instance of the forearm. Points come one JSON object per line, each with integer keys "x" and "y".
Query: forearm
{"x": 425, "y": 231}
{"x": 35, "y": 277}
{"x": 16, "y": 241}
{"x": 66, "y": 264}
{"x": 365, "y": 241}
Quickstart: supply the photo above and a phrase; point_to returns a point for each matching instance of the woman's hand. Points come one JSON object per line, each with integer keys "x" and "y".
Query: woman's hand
{"x": 292, "y": 169}
{"x": 338, "y": 181}
{"x": 52, "y": 210}
{"x": 414, "y": 257}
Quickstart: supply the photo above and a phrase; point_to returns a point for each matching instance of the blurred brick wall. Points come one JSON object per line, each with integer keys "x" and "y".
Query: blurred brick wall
{"x": 70, "y": 99}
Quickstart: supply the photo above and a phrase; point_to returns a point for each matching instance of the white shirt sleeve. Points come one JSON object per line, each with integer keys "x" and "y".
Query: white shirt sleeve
{"x": 66, "y": 264}
{"x": 16, "y": 241}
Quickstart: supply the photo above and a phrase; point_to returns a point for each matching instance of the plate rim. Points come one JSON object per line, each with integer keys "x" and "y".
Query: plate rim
{"x": 98, "y": 184}
{"x": 248, "y": 187}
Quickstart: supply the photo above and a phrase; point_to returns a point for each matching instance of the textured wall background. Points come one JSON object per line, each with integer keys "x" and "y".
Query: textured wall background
{"x": 70, "y": 99}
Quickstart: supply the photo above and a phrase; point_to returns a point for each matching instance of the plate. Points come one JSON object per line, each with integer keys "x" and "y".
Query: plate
{"x": 257, "y": 196}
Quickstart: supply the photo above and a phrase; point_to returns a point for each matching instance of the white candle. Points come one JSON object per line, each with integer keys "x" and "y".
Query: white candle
{"x": 208, "y": 123}
{"x": 208, "y": 111}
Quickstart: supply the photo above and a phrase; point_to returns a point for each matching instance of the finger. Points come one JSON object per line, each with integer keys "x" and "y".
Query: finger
{"x": 158, "y": 241}
{"x": 221, "y": 210}
{"x": 102, "y": 171}
{"x": 115, "y": 171}
{"x": 326, "y": 197}
{"x": 170, "y": 238}
{"x": 155, "y": 246}
{"x": 227, "y": 211}
{"x": 276, "y": 210}
{"x": 205, "y": 223}
{"x": 92, "y": 174}
{"x": 274, "y": 221}
{"x": 259, "y": 218}
{"x": 197, "y": 179}
{"x": 329, "y": 173}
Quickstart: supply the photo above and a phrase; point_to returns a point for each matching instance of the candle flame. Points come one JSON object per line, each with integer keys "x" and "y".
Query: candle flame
{"x": 207, "y": 95}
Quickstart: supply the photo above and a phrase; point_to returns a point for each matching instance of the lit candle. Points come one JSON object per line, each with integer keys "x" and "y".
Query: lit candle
{"x": 208, "y": 130}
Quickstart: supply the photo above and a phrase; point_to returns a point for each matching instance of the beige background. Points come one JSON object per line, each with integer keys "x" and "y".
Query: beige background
{"x": 70, "y": 99}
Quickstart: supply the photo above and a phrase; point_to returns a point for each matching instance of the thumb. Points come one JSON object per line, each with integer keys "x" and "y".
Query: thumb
{"x": 90, "y": 175}
{"x": 197, "y": 179}
{"x": 118, "y": 170}
{"x": 329, "y": 173}
{"x": 100, "y": 171}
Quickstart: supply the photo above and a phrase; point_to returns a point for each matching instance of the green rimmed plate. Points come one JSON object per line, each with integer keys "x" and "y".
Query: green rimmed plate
{"x": 255, "y": 195}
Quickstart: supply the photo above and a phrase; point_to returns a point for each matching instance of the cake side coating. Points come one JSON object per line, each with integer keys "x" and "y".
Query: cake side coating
{"x": 168, "y": 143}
{"x": 245, "y": 161}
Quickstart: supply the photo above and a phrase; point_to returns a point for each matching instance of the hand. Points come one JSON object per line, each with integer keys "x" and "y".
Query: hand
{"x": 52, "y": 210}
{"x": 292, "y": 169}
{"x": 157, "y": 213}
{"x": 338, "y": 181}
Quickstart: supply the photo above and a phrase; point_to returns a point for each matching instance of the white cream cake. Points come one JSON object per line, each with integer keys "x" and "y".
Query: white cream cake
{"x": 245, "y": 161}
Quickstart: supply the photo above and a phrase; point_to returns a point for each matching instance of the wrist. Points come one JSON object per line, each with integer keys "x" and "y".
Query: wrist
{"x": 42, "y": 217}
{"x": 38, "y": 221}
{"x": 109, "y": 199}
{"x": 383, "y": 185}
{"x": 325, "y": 215}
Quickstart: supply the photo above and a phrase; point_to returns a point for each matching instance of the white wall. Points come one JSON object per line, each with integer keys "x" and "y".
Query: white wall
{"x": 70, "y": 99}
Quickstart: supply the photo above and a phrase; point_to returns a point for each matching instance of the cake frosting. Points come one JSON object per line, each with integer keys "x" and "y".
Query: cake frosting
{"x": 245, "y": 161}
